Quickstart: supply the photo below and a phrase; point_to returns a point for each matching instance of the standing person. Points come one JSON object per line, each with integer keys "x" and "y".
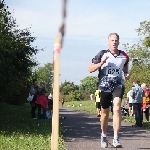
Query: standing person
{"x": 145, "y": 101}
{"x": 91, "y": 96}
{"x": 50, "y": 96}
{"x": 110, "y": 64}
{"x": 129, "y": 98}
{"x": 137, "y": 94}
{"x": 33, "y": 91}
{"x": 41, "y": 100}
{"x": 50, "y": 104}
{"x": 98, "y": 104}
{"x": 62, "y": 102}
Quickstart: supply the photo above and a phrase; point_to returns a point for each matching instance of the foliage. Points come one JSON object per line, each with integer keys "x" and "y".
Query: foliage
{"x": 89, "y": 84}
{"x": 73, "y": 96}
{"x": 45, "y": 73}
{"x": 67, "y": 87}
{"x": 69, "y": 91}
{"x": 85, "y": 95}
{"x": 19, "y": 131}
{"x": 139, "y": 56}
{"x": 16, "y": 54}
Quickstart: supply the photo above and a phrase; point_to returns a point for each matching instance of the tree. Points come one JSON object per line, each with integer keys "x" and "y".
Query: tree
{"x": 139, "y": 54}
{"x": 45, "y": 73}
{"x": 67, "y": 87}
{"x": 74, "y": 96}
{"x": 89, "y": 84}
{"x": 16, "y": 54}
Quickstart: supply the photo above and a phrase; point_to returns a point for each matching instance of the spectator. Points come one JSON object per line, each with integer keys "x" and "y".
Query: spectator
{"x": 91, "y": 96}
{"x": 62, "y": 102}
{"x": 129, "y": 99}
{"x": 50, "y": 105}
{"x": 146, "y": 101}
{"x": 137, "y": 94}
{"x": 50, "y": 96}
{"x": 33, "y": 91}
{"x": 42, "y": 100}
{"x": 98, "y": 104}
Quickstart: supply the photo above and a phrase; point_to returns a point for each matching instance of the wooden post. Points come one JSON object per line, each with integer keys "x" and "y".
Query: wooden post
{"x": 55, "y": 118}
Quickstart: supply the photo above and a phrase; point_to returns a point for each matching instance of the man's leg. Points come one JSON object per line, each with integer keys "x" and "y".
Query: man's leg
{"x": 33, "y": 109}
{"x": 130, "y": 109}
{"x": 98, "y": 108}
{"x": 138, "y": 114}
{"x": 147, "y": 114}
{"x": 105, "y": 103}
{"x": 39, "y": 111}
{"x": 117, "y": 116}
{"x": 117, "y": 96}
{"x": 104, "y": 120}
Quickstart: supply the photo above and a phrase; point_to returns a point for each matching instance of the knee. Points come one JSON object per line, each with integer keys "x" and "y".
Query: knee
{"x": 116, "y": 110}
{"x": 105, "y": 113}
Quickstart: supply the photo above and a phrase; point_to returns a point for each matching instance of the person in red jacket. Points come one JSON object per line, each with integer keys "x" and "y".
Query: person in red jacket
{"x": 41, "y": 100}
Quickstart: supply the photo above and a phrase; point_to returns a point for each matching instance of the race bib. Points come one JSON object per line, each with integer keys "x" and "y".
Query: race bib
{"x": 113, "y": 71}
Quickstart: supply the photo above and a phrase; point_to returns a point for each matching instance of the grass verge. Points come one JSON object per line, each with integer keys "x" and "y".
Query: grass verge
{"x": 89, "y": 106}
{"x": 19, "y": 132}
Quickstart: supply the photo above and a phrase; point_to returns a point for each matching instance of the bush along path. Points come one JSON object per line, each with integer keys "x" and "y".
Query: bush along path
{"x": 82, "y": 132}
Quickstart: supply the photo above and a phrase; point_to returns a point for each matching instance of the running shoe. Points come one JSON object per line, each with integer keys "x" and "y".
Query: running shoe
{"x": 104, "y": 143}
{"x": 116, "y": 143}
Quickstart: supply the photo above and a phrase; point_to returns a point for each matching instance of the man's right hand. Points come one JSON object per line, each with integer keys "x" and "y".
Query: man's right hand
{"x": 104, "y": 58}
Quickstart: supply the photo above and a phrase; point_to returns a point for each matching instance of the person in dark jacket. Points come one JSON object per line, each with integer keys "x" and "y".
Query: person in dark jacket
{"x": 33, "y": 91}
{"x": 137, "y": 94}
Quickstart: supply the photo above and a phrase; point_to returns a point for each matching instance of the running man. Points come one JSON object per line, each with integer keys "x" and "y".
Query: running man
{"x": 110, "y": 64}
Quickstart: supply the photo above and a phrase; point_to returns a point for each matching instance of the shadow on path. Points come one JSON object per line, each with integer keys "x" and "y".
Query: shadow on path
{"x": 82, "y": 131}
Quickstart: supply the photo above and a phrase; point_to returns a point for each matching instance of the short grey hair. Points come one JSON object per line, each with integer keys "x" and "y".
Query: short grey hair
{"x": 113, "y": 34}
{"x": 143, "y": 86}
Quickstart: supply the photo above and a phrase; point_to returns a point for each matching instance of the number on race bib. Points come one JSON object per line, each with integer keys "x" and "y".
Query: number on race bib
{"x": 113, "y": 71}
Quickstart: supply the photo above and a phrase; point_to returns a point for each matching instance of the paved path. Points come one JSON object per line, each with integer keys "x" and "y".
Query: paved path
{"x": 83, "y": 133}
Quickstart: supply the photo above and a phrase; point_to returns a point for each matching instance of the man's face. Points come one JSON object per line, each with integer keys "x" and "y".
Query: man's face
{"x": 113, "y": 42}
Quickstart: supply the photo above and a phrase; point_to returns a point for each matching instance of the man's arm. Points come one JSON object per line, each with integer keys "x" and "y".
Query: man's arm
{"x": 125, "y": 70}
{"x": 93, "y": 67}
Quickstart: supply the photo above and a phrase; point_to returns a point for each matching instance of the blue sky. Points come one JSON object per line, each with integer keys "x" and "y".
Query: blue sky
{"x": 88, "y": 24}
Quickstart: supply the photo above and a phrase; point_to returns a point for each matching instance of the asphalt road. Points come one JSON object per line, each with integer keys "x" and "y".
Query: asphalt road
{"x": 82, "y": 132}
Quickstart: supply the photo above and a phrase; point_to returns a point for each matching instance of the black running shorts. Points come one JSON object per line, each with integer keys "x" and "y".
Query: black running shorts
{"x": 98, "y": 105}
{"x": 107, "y": 97}
{"x": 130, "y": 104}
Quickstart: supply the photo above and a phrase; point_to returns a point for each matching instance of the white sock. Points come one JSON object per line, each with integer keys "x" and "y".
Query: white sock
{"x": 115, "y": 137}
{"x": 103, "y": 135}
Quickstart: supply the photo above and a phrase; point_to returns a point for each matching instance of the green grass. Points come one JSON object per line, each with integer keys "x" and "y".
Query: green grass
{"x": 89, "y": 106}
{"x": 19, "y": 132}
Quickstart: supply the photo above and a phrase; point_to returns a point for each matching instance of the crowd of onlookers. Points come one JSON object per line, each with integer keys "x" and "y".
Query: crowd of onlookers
{"x": 40, "y": 101}
{"x": 137, "y": 102}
